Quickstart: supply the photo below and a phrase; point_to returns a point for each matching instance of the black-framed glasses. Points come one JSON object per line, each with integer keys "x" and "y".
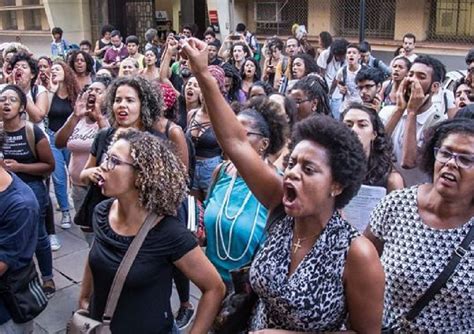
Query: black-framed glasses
{"x": 368, "y": 86}
{"x": 462, "y": 160}
{"x": 111, "y": 161}
{"x": 12, "y": 99}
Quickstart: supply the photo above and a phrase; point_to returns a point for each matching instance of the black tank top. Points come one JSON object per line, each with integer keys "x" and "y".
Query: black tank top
{"x": 205, "y": 143}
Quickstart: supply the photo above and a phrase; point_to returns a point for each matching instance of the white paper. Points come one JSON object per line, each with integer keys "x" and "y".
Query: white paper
{"x": 357, "y": 212}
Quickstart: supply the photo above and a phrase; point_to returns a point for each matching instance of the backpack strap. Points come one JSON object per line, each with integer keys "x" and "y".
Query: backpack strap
{"x": 167, "y": 128}
{"x": 445, "y": 100}
{"x": 30, "y": 137}
{"x": 344, "y": 74}
{"x": 34, "y": 93}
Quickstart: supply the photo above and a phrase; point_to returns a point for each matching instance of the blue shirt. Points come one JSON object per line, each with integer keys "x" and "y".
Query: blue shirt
{"x": 19, "y": 216}
{"x": 239, "y": 240}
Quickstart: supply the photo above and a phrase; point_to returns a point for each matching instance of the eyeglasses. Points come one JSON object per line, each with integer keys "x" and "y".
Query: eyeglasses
{"x": 111, "y": 161}
{"x": 462, "y": 160}
{"x": 12, "y": 99}
{"x": 368, "y": 86}
{"x": 470, "y": 70}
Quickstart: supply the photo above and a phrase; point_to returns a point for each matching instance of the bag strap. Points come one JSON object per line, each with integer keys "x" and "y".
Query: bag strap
{"x": 30, "y": 137}
{"x": 122, "y": 272}
{"x": 440, "y": 282}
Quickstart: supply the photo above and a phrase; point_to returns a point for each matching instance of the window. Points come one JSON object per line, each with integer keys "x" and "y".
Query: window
{"x": 452, "y": 20}
{"x": 10, "y": 20}
{"x": 277, "y": 16}
{"x": 32, "y": 19}
{"x": 379, "y": 18}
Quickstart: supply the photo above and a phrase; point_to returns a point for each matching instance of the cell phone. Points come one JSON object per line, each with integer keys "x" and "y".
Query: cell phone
{"x": 234, "y": 37}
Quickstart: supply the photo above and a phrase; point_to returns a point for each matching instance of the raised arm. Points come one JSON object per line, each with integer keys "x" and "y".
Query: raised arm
{"x": 264, "y": 183}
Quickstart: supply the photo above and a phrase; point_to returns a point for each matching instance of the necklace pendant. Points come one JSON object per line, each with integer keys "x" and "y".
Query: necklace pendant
{"x": 296, "y": 246}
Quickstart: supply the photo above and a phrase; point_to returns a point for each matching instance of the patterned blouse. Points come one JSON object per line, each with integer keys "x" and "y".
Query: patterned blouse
{"x": 312, "y": 298}
{"x": 413, "y": 257}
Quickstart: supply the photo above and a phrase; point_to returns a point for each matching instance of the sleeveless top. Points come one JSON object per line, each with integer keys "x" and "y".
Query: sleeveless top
{"x": 235, "y": 222}
{"x": 313, "y": 297}
{"x": 205, "y": 143}
{"x": 414, "y": 255}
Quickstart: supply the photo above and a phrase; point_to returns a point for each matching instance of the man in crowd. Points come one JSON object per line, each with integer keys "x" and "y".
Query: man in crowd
{"x": 133, "y": 44}
{"x": 369, "y": 82}
{"x": 115, "y": 54}
{"x": 409, "y": 41}
{"x": 213, "y": 49}
{"x": 414, "y": 114}
{"x": 368, "y": 60}
{"x": 59, "y": 46}
{"x": 330, "y": 61}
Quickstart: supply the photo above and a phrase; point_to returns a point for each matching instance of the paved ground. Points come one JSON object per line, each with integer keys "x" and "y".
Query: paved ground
{"x": 68, "y": 267}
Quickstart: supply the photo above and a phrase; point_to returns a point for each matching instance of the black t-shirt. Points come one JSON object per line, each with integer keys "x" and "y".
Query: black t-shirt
{"x": 59, "y": 112}
{"x": 144, "y": 304}
{"x": 16, "y": 147}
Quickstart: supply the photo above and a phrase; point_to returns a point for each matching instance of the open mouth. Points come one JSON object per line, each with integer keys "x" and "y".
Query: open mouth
{"x": 289, "y": 193}
{"x": 122, "y": 114}
{"x": 449, "y": 177}
{"x": 462, "y": 104}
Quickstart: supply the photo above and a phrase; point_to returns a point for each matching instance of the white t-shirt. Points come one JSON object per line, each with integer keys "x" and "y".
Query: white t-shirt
{"x": 352, "y": 94}
{"x": 331, "y": 69}
{"x": 412, "y": 57}
{"x": 424, "y": 121}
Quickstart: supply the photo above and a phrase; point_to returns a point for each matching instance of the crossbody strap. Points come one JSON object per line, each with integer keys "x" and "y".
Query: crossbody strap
{"x": 122, "y": 272}
{"x": 443, "y": 278}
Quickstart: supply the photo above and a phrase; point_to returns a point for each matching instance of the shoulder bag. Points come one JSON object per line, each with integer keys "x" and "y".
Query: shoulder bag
{"x": 435, "y": 287}
{"x": 80, "y": 322}
{"x": 237, "y": 307}
{"x": 22, "y": 294}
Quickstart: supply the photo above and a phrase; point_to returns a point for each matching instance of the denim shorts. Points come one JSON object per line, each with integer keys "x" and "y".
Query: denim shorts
{"x": 203, "y": 172}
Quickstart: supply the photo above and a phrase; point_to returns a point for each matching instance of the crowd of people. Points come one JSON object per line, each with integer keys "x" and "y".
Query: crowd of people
{"x": 264, "y": 148}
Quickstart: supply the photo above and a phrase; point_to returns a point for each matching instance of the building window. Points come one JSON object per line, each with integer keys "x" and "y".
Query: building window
{"x": 379, "y": 18}
{"x": 32, "y": 19}
{"x": 5, "y": 3}
{"x": 275, "y": 17}
{"x": 452, "y": 21}
{"x": 10, "y": 22}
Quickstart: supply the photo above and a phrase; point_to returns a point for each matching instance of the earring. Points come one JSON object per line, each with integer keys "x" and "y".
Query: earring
{"x": 333, "y": 194}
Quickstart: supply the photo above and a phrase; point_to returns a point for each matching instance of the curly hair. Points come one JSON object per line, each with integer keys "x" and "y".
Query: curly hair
{"x": 231, "y": 72}
{"x": 258, "y": 70}
{"x": 313, "y": 89}
{"x": 70, "y": 81}
{"x": 439, "y": 70}
{"x": 267, "y": 88}
{"x": 32, "y": 63}
{"x": 268, "y": 121}
{"x": 151, "y": 100}
{"x": 437, "y": 134}
{"x": 379, "y": 163}
{"x": 161, "y": 176}
{"x": 310, "y": 65}
{"x": 87, "y": 57}
{"x": 346, "y": 154}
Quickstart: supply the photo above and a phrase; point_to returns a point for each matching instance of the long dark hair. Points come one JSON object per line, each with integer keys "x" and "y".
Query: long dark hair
{"x": 379, "y": 162}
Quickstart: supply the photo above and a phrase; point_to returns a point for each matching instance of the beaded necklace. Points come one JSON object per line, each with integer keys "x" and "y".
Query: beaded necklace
{"x": 224, "y": 211}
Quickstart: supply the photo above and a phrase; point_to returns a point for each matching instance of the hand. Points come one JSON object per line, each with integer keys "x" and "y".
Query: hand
{"x": 80, "y": 106}
{"x": 172, "y": 45}
{"x": 417, "y": 97}
{"x": 12, "y": 165}
{"x": 84, "y": 303}
{"x": 95, "y": 174}
{"x": 376, "y": 104}
{"x": 195, "y": 51}
{"x": 401, "y": 101}
{"x": 342, "y": 89}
